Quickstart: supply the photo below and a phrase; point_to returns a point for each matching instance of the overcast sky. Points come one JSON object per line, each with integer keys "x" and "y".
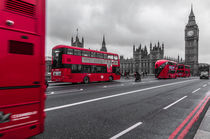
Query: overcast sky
{"x": 128, "y": 22}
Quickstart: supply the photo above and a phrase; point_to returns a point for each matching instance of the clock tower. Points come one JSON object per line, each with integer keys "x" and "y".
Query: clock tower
{"x": 191, "y": 43}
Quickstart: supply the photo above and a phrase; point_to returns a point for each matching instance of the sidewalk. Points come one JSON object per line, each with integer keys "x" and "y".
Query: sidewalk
{"x": 203, "y": 131}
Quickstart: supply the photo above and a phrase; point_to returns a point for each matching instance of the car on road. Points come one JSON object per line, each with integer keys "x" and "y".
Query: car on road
{"x": 204, "y": 71}
{"x": 204, "y": 75}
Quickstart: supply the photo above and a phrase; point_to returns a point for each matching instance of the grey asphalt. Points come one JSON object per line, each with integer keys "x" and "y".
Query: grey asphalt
{"x": 101, "y": 111}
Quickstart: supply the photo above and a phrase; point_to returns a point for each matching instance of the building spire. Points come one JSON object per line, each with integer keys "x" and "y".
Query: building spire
{"x": 103, "y": 48}
{"x": 191, "y": 12}
{"x": 103, "y": 42}
{"x": 191, "y": 21}
{"x": 77, "y": 32}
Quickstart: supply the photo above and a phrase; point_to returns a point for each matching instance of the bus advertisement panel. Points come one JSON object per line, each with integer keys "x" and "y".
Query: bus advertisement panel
{"x": 165, "y": 69}
{"x": 74, "y": 64}
{"x": 22, "y": 60}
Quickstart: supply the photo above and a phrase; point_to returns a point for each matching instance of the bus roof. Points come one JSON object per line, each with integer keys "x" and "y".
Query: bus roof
{"x": 163, "y": 61}
{"x": 78, "y": 48}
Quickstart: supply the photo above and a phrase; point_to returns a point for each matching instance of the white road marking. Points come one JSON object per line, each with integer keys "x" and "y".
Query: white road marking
{"x": 105, "y": 86}
{"x": 126, "y": 131}
{"x": 204, "y": 85}
{"x": 174, "y": 103}
{"x": 112, "y": 96}
{"x": 81, "y": 89}
{"x": 63, "y": 92}
{"x": 196, "y": 90}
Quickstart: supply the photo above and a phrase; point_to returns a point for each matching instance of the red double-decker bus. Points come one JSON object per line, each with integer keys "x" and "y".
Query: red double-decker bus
{"x": 74, "y": 64}
{"x": 165, "y": 69}
{"x": 22, "y": 60}
{"x": 183, "y": 70}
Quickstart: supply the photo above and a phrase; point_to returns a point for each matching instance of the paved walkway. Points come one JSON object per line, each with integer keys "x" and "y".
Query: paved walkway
{"x": 204, "y": 130}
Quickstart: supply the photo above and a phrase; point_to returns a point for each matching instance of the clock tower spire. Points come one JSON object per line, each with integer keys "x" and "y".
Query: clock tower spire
{"x": 191, "y": 43}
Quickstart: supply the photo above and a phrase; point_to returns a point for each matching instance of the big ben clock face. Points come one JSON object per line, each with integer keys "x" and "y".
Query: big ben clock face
{"x": 190, "y": 33}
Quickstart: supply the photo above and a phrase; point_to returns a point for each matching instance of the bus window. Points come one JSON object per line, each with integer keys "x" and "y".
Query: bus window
{"x": 57, "y": 58}
{"x": 99, "y": 55}
{"x": 70, "y": 51}
{"x": 93, "y": 54}
{"x": 93, "y": 69}
{"x": 86, "y": 69}
{"x": 98, "y": 69}
{"x": 85, "y": 53}
{"x": 105, "y": 56}
{"x": 115, "y": 57}
{"x": 76, "y": 68}
{"x": 180, "y": 67}
{"x": 101, "y": 69}
{"x": 110, "y": 56}
{"x": 104, "y": 69}
{"x": 77, "y": 52}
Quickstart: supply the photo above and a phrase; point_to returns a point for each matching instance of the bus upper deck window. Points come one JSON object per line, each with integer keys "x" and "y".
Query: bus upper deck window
{"x": 77, "y": 52}
{"x": 92, "y": 54}
{"x": 110, "y": 56}
{"x": 85, "y": 53}
{"x": 70, "y": 52}
{"x": 105, "y": 56}
{"x": 115, "y": 57}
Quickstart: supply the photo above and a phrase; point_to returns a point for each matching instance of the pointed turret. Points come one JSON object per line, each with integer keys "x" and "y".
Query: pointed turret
{"x": 158, "y": 44}
{"x": 134, "y": 48}
{"x": 150, "y": 46}
{"x": 191, "y": 20}
{"x": 103, "y": 48}
{"x": 191, "y": 12}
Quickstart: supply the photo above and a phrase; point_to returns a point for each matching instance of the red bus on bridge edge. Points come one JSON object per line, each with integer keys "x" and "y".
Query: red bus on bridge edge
{"x": 76, "y": 65}
{"x": 183, "y": 70}
{"x": 165, "y": 69}
{"x": 22, "y": 60}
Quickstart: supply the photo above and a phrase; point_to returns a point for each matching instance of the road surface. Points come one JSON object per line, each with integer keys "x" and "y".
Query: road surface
{"x": 121, "y": 109}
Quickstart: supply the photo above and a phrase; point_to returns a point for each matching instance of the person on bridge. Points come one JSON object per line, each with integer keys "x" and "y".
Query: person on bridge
{"x": 138, "y": 77}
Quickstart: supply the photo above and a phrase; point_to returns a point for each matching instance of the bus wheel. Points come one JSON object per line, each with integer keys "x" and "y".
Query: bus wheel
{"x": 86, "y": 80}
{"x": 110, "y": 78}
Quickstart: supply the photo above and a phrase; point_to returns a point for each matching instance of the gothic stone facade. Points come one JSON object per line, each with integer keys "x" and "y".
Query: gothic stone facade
{"x": 77, "y": 42}
{"x": 142, "y": 60}
{"x": 191, "y": 43}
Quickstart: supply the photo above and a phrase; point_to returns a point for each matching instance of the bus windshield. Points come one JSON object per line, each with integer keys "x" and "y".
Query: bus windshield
{"x": 57, "y": 58}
